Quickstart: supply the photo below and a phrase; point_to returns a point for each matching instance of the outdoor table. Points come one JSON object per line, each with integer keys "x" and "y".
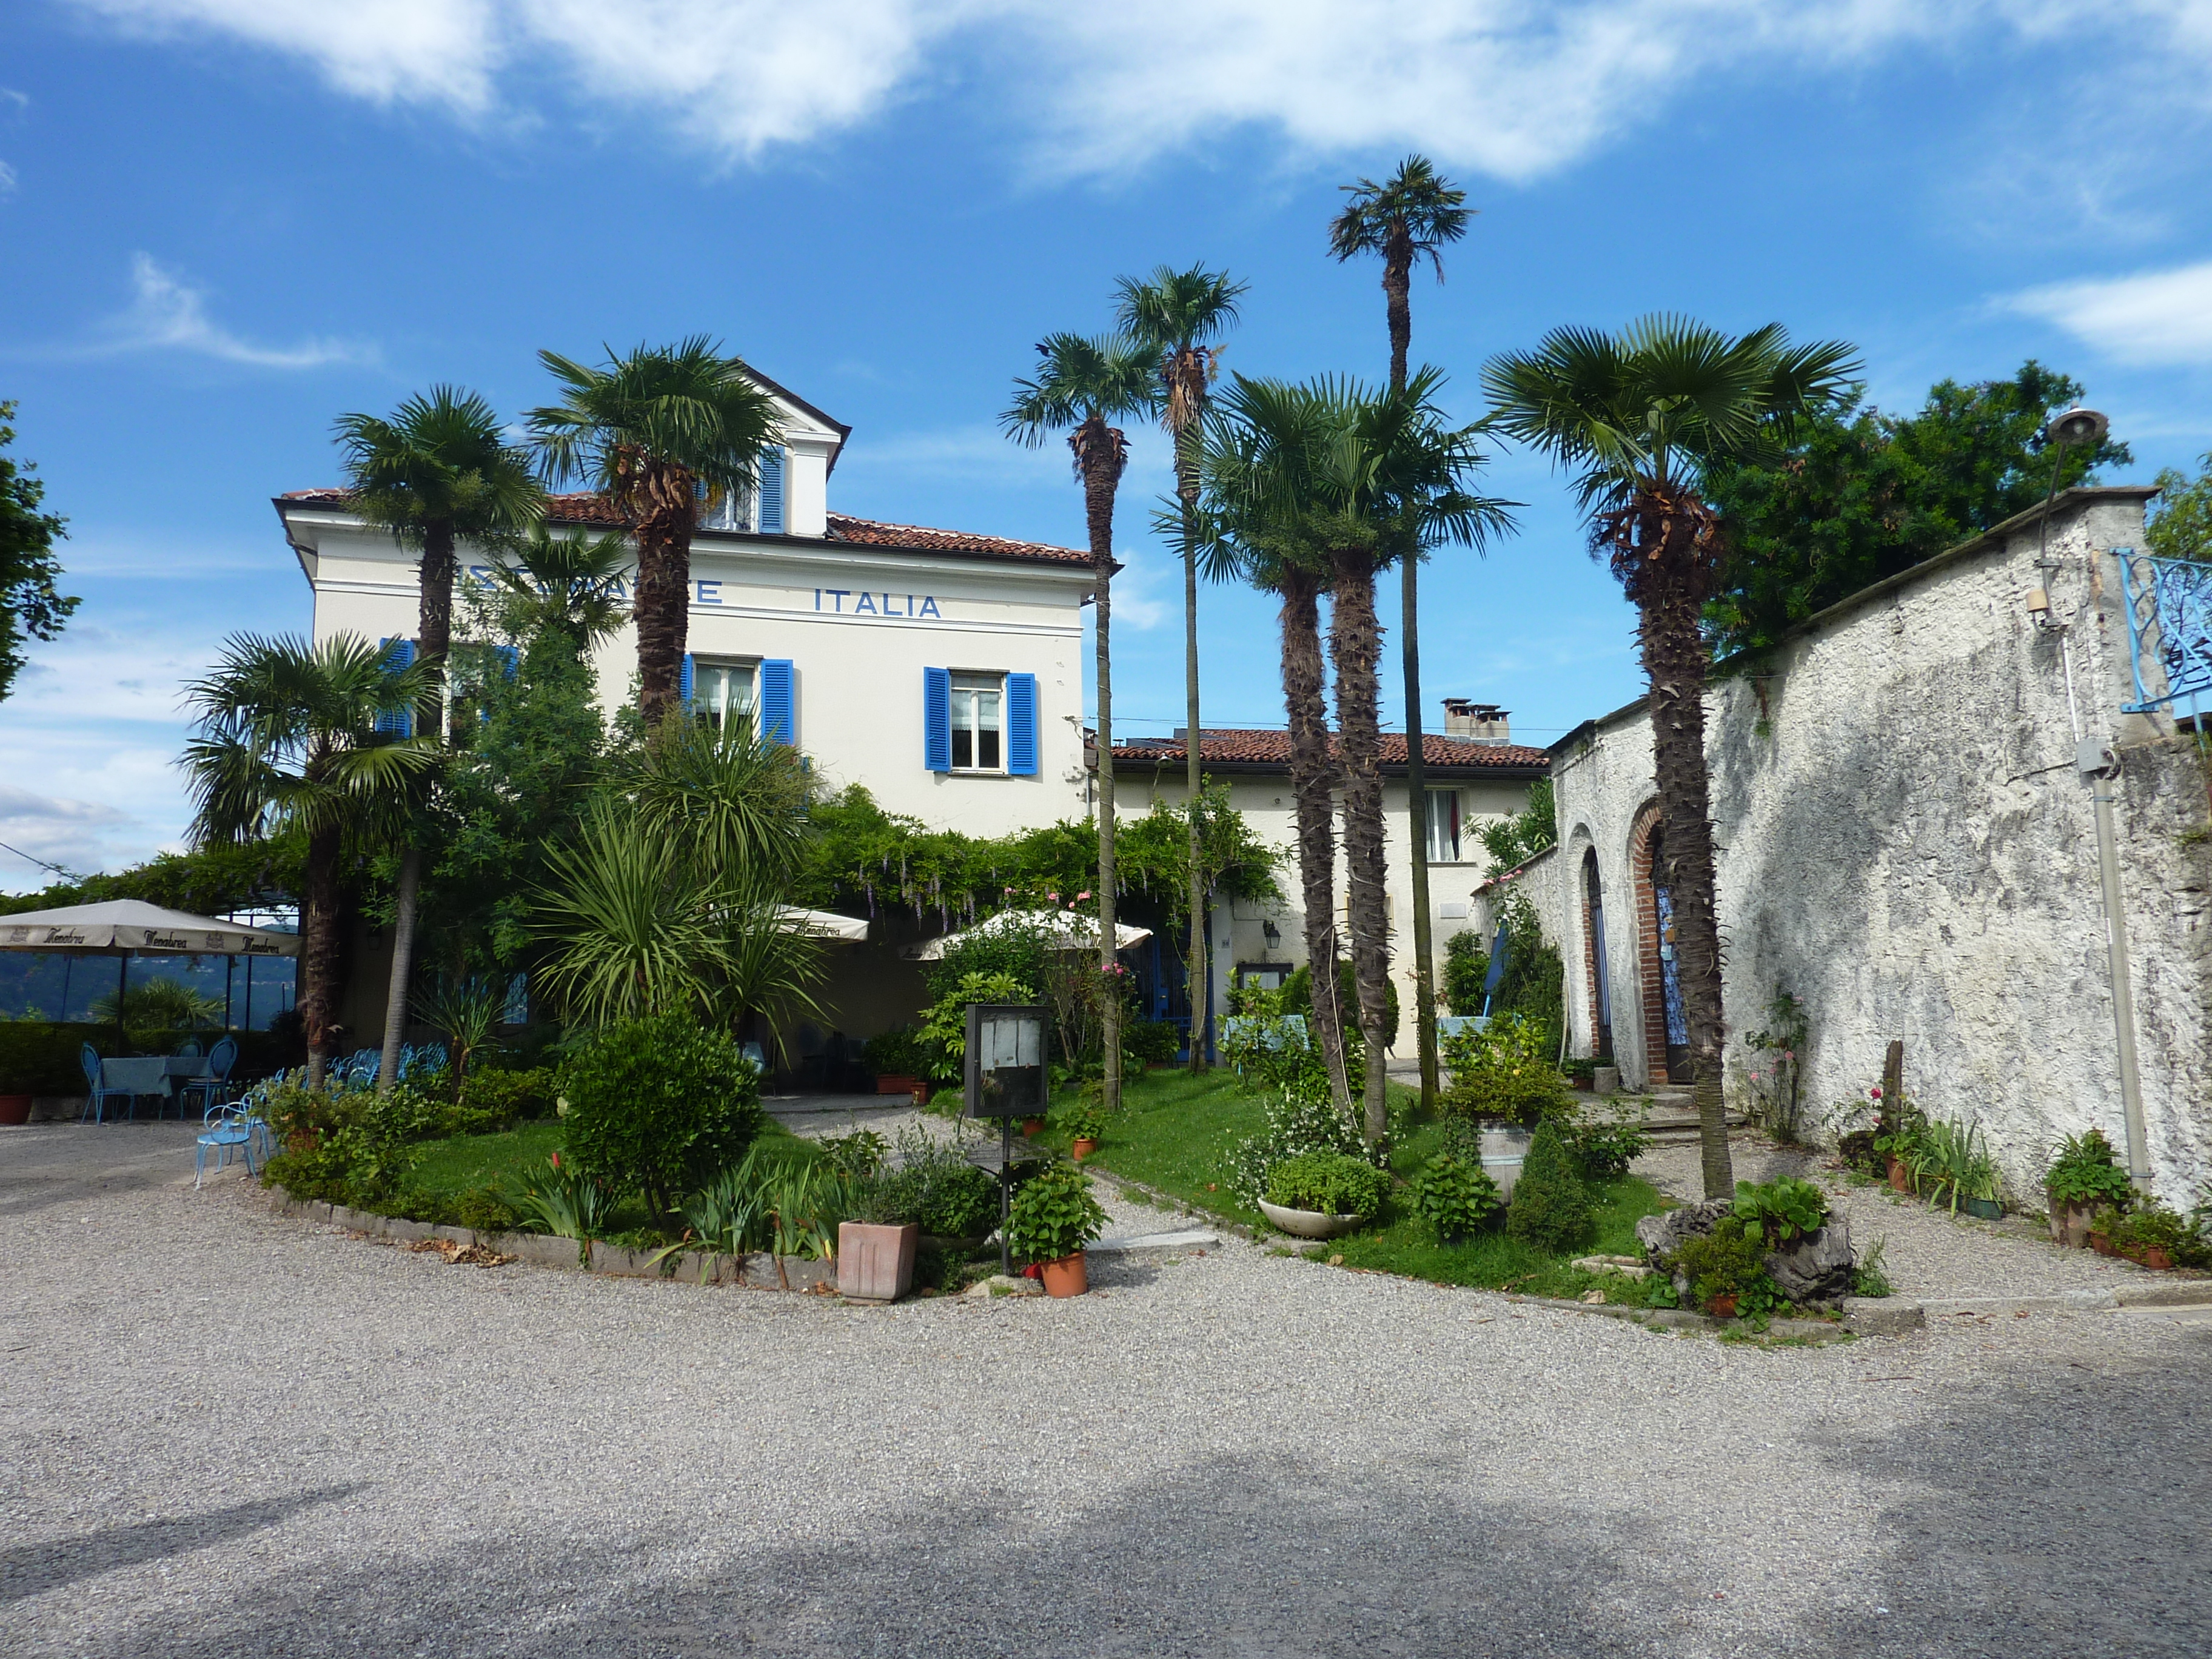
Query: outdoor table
{"x": 181, "y": 1069}
{"x": 146, "y": 1076}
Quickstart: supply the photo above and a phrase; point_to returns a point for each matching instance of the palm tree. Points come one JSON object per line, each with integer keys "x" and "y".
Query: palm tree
{"x": 651, "y": 432}
{"x": 438, "y": 470}
{"x": 1083, "y": 385}
{"x": 562, "y": 585}
{"x": 1638, "y": 419}
{"x": 1264, "y": 442}
{"x": 1179, "y": 314}
{"x": 1413, "y": 213}
{"x": 288, "y": 740}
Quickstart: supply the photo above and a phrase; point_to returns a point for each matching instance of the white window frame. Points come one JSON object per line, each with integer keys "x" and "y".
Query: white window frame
{"x": 702, "y": 709}
{"x": 972, "y": 685}
{"x": 1455, "y": 826}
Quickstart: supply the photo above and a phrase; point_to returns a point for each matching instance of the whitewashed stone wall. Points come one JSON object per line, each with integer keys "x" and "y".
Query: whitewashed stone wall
{"x": 1905, "y": 846}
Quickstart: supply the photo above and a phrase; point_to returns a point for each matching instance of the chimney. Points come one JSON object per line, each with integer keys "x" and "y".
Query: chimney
{"x": 1477, "y": 722}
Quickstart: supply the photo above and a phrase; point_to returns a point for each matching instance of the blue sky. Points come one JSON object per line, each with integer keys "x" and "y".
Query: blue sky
{"x": 226, "y": 221}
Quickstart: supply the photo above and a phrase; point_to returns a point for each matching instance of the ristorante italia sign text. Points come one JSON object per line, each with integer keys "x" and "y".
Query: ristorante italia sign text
{"x": 831, "y": 601}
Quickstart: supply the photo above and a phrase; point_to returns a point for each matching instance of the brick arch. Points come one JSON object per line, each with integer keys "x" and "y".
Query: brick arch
{"x": 1651, "y": 983}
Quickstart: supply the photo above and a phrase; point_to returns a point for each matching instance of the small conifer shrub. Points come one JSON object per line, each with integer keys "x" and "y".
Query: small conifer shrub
{"x": 1550, "y": 1208}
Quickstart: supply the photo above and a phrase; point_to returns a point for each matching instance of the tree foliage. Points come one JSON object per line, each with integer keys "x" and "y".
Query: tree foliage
{"x": 31, "y": 606}
{"x": 1511, "y": 842}
{"x": 2181, "y": 520}
{"x": 1856, "y": 495}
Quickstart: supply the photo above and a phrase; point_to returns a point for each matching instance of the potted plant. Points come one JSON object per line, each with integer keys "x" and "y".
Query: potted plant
{"x": 1052, "y": 1216}
{"x": 1323, "y": 1194}
{"x": 899, "y": 1061}
{"x": 2152, "y": 1236}
{"x": 2102, "y": 1225}
{"x": 1902, "y": 1132}
{"x": 1724, "y": 1271}
{"x": 2084, "y": 1176}
{"x": 1086, "y": 1123}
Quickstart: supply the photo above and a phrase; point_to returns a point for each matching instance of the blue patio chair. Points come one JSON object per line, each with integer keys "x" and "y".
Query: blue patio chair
{"x": 751, "y": 1051}
{"x": 189, "y": 1049}
{"x": 221, "y": 1058}
{"x": 97, "y": 1093}
{"x": 222, "y": 1128}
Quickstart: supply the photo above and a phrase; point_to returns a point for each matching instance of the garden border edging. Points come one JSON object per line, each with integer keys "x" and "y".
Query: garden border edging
{"x": 757, "y": 1271}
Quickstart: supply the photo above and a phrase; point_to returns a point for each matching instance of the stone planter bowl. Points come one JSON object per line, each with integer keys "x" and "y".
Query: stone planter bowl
{"x": 1309, "y": 1224}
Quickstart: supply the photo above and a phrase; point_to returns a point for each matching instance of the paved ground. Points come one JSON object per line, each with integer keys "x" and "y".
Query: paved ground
{"x": 226, "y": 1433}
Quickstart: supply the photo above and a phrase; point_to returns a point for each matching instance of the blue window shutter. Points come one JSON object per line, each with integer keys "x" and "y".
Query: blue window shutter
{"x": 1021, "y": 725}
{"x": 937, "y": 719}
{"x": 684, "y": 683}
{"x": 398, "y": 653}
{"x": 771, "y": 492}
{"x": 779, "y": 707}
{"x": 510, "y": 658}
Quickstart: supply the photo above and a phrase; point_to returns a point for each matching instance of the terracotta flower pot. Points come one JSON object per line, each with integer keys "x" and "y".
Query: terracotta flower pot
{"x": 1032, "y": 1127}
{"x": 897, "y": 1082}
{"x": 14, "y": 1108}
{"x": 1722, "y": 1307}
{"x": 2101, "y": 1244}
{"x": 1066, "y": 1277}
{"x": 875, "y": 1262}
{"x": 1082, "y": 1149}
{"x": 921, "y": 1094}
{"x": 2069, "y": 1224}
{"x": 2152, "y": 1256}
{"x": 1900, "y": 1177}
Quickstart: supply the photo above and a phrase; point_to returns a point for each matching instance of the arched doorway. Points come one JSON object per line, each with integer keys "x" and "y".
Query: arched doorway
{"x": 1664, "y": 972}
{"x": 1594, "y": 959}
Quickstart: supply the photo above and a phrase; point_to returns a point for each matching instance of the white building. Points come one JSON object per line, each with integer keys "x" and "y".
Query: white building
{"x": 1475, "y": 776}
{"x": 942, "y": 670}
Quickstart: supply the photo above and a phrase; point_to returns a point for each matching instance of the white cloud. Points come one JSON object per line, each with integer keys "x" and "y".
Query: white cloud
{"x": 7, "y": 180}
{"x": 165, "y": 314}
{"x": 1511, "y": 87}
{"x": 2154, "y": 317}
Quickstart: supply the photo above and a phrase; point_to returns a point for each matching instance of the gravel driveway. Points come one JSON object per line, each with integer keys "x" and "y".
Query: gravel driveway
{"x": 223, "y": 1432}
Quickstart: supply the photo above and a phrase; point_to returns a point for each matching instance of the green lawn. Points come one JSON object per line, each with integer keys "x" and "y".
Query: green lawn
{"x": 1176, "y": 1131}
{"x": 449, "y": 1168}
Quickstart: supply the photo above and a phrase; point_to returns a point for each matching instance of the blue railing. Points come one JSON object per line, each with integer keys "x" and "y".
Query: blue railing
{"x": 2169, "y": 608}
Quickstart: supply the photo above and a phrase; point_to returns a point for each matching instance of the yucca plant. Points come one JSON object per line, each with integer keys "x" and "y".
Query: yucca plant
{"x": 560, "y": 1200}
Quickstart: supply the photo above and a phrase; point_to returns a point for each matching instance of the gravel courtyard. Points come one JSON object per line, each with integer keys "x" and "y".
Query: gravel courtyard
{"x": 224, "y": 1433}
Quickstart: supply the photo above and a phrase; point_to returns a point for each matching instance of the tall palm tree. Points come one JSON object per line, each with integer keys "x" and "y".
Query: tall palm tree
{"x": 1180, "y": 314}
{"x": 651, "y": 431}
{"x": 288, "y": 740}
{"x": 1638, "y": 419}
{"x": 1413, "y": 213}
{"x": 437, "y": 470}
{"x": 1083, "y": 385}
{"x": 1265, "y": 440}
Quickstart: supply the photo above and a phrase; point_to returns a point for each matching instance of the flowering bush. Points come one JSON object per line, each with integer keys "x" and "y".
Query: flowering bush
{"x": 1300, "y": 1119}
{"x": 1504, "y": 1072}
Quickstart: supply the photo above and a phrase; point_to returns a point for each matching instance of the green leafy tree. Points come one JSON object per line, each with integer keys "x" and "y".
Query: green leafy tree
{"x": 2181, "y": 527}
{"x": 1408, "y": 216}
{"x": 1642, "y": 419}
{"x": 31, "y": 606}
{"x": 1511, "y": 842}
{"x": 1180, "y": 315}
{"x": 656, "y": 433}
{"x": 1081, "y": 387}
{"x": 1854, "y": 495}
{"x": 287, "y": 743}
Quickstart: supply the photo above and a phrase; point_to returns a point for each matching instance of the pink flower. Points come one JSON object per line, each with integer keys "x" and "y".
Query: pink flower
{"x": 1874, "y": 1093}
{"x": 1054, "y": 897}
{"x": 1010, "y": 890}
{"x": 1079, "y": 898}
{"x": 557, "y": 1160}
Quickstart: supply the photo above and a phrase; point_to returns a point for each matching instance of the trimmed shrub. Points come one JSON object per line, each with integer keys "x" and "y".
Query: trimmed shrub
{"x": 1155, "y": 1042}
{"x": 1329, "y": 1182}
{"x": 660, "y": 1105}
{"x": 1505, "y": 1072}
{"x": 1303, "y": 1119}
{"x": 1550, "y": 1208}
{"x": 1604, "y": 1141}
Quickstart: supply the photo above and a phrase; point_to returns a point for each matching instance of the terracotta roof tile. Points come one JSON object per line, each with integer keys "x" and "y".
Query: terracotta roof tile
{"x": 1268, "y": 746}
{"x": 586, "y": 507}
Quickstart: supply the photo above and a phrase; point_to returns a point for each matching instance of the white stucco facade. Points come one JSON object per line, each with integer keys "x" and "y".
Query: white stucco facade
{"x": 1906, "y": 845}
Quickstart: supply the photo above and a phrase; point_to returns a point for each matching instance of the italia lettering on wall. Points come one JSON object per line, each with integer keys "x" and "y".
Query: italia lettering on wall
{"x": 864, "y": 602}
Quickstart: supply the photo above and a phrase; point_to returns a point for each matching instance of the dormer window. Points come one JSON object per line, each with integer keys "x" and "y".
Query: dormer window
{"x": 760, "y": 510}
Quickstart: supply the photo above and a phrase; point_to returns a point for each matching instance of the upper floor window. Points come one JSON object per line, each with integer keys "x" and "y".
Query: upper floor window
{"x": 722, "y": 690}
{"x": 1443, "y": 826}
{"x": 978, "y": 728}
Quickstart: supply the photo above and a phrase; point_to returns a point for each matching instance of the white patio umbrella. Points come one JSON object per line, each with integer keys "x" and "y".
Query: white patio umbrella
{"x": 825, "y": 925}
{"x": 125, "y": 928}
{"x": 1063, "y": 930}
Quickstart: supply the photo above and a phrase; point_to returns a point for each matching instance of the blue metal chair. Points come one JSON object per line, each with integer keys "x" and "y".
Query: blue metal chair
{"x": 221, "y": 1058}
{"x": 97, "y": 1093}
{"x": 221, "y": 1129}
{"x": 189, "y": 1049}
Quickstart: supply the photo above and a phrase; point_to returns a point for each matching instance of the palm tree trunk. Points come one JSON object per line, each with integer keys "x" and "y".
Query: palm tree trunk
{"x": 1417, "y": 826}
{"x": 1310, "y": 772}
{"x": 662, "y": 609}
{"x": 403, "y": 967}
{"x": 318, "y": 949}
{"x": 1199, "y": 976}
{"x": 1674, "y": 659}
{"x": 434, "y": 625}
{"x": 1397, "y": 287}
{"x": 1101, "y": 473}
{"x": 1356, "y": 647}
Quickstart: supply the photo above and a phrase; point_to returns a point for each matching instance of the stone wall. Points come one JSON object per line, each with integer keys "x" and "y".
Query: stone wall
{"x": 1906, "y": 847}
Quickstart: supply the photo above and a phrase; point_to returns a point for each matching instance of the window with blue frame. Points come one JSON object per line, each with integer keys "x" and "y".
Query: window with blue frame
{"x": 980, "y": 721}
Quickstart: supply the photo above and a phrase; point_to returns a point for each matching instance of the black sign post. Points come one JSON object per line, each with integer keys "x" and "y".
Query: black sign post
{"x": 1005, "y": 1079}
